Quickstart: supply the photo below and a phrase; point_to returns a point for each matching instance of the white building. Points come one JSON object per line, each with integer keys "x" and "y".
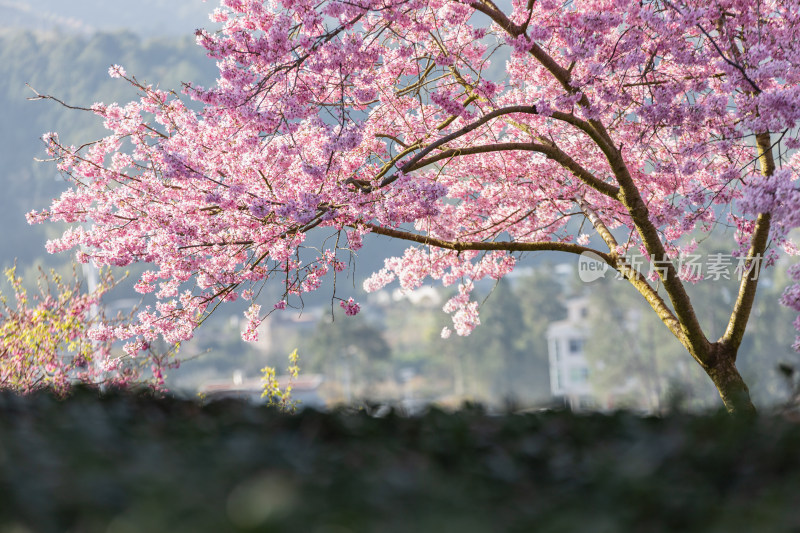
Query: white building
{"x": 569, "y": 369}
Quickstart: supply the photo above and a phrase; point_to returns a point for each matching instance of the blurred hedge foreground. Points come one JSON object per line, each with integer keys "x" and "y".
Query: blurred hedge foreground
{"x": 125, "y": 463}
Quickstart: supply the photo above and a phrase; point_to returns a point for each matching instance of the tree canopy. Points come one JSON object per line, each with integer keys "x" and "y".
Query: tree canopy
{"x": 651, "y": 121}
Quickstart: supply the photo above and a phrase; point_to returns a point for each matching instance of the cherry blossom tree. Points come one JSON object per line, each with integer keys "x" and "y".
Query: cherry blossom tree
{"x": 651, "y": 120}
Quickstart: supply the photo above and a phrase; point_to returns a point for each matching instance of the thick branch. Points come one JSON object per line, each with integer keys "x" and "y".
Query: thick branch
{"x": 692, "y": 335}
{"x": 508, "y": 246}
{"x": 694, "y": 339}
{"x": 492, "y": 11}
{"x": 552, "y": 152}
{"x": 599, "y": 226}
{"x": 691, "y": 332}
{"x": 633, "y": 276}
{"x": 758, "y": 245}
{"x": 456, "y": 134}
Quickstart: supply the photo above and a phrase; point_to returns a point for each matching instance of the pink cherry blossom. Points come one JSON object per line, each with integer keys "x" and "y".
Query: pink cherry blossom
{"x": 116, "y": 71}
{"x": 351, "y": 308}
{"x": 647, "y": 121}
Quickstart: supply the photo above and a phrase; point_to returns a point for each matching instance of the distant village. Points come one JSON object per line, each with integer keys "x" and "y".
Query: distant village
{"x": 569, "y": 377}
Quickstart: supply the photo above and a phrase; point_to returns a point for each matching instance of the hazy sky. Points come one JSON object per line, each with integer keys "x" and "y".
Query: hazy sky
{"x": 146, "y": 17}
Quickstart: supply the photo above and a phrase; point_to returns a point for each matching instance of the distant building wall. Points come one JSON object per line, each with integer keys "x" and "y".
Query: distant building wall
{"x": 569, "y": 369}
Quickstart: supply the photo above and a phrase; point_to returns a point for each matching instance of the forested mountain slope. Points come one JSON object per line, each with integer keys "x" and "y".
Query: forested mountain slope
{"x": 74, "y": 69}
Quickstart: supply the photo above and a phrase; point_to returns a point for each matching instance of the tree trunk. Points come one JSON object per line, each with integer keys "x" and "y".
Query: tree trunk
{"x": 732, "y": 388}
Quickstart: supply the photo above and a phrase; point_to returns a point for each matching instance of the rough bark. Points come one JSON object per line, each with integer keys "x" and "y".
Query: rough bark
{"x": 732, "y": 388}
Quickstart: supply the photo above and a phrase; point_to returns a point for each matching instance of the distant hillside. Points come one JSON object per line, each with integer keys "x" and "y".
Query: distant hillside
{"x": 144, "y": 17}
{"x": 75, "y": 69}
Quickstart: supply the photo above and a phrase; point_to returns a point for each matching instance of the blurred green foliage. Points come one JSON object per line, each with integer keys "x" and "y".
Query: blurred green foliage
{"x": 123, "y": 462}
{"x": 628, "y": 342}
{"x": 503, "y": 361}
{"x": 505, "y": 358}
